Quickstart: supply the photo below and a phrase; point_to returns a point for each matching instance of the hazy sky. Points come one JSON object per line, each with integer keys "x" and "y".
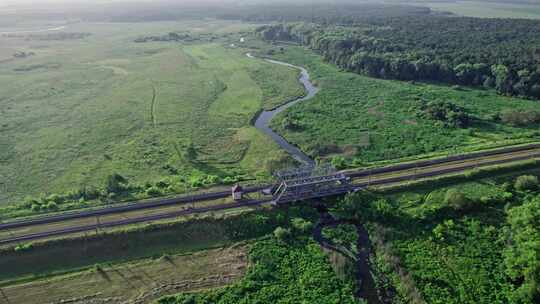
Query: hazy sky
{"x": 16, "y": 2}
{"x": 33, "y": 2}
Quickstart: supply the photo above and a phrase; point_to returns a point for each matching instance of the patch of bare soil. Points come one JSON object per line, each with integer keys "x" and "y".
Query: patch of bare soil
{"x": 135, "y": 283}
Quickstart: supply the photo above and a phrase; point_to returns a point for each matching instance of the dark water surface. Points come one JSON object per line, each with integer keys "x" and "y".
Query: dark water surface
{"x": 264, "y": 118}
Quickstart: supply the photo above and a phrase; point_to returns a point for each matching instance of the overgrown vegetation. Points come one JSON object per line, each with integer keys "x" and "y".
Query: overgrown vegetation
{"x": 169, "y": 118}
{"x": 287, "y": 268}
{"x": 471, "y": 242}
{"x": 521, "y": 257}
{"x": 44, "y": 259}
{"x": 385, "y": 120}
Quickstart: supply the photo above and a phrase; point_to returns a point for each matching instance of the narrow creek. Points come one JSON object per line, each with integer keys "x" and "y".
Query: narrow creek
{"x": 265, "y": 117}
{"x": 367, "y": 289}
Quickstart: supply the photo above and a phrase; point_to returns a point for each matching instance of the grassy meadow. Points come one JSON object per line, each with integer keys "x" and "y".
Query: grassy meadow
{"x": 78, "y": 108}
{"x": 367, "y": 119}
{"x": 487, "y": 9}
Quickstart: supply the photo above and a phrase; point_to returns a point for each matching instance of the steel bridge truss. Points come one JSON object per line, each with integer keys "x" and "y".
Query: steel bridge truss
{"x": 310, "y": 182}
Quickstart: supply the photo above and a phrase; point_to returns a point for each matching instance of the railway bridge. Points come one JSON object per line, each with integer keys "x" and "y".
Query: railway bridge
{"x": 292, "y": 185}
{"x": 310, "y": 182}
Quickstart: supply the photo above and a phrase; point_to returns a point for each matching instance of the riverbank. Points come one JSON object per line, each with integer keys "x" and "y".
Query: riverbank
{"x": 262, "y": 122}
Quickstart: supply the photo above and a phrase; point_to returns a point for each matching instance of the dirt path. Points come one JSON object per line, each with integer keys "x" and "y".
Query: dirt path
{"x": 153, "y": 106}
{"x": 367, "y": 288}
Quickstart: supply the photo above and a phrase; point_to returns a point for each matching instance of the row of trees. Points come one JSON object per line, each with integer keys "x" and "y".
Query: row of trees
{"x": 478, "y": 52}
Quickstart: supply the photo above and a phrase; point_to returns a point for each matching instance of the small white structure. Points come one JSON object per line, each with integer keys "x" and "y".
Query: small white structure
{"x": 242, "y": 40}
{"x": 237, "y": 192}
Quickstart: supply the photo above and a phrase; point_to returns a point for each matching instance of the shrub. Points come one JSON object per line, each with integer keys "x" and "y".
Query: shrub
{"x": 89, "y": 193}
{"x": 282, "y": 234}
{"x": 457, "y": 200}
{"x": 36, "y": 207}
{"x": 115, "y": 183}
{"x": 289, "y": 123}
{"x": 211, "y": 180}
{"x": 339, "y": 162}
{"x": 54, "y": 198}
{"x": 29, "y": 202}
{"x": 51, "y": 206}
{"x": 228, "y": 180}
{"x": 383, "y": 208}
{"x": 507, "y": 196}
{"x": 162, "y": 184}
{"x": 301, "y": 225}
{"x": 526, "y": 183}
{"x": 441, "y": 230}
{"x": 23, "y": 247}
{"x": 153, "y": 191}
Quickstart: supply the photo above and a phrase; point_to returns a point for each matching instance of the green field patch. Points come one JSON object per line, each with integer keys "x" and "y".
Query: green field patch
{"x": 136, "y": 109}
{"x": 278, "y": 85}
{"x": 381, "y": 119}
{"x": 295, "y": 271}
{"x": 488, "y": 9}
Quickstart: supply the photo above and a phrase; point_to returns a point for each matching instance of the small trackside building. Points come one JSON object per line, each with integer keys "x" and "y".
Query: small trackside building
{"x": 237, "y": 192}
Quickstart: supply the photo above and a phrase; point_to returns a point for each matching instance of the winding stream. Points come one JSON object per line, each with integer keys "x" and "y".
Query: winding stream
{"x": 367, "y": 288}
{"x": 263, "y": 120}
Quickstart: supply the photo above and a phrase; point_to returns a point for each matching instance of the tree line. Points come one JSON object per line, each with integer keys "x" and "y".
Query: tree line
{"x": 503, "y": 54}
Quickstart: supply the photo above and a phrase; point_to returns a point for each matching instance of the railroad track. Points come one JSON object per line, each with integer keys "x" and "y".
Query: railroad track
{"x": 133, "y": 206}
{"x": 85, "y": 228}
{"x": 459, "y": 163}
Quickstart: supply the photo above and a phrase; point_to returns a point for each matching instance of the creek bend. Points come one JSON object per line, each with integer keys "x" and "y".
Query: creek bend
{"x": 262, "y": 121}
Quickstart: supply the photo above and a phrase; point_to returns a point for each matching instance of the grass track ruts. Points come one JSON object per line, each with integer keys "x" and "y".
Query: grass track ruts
{"x": 153, "y": 106}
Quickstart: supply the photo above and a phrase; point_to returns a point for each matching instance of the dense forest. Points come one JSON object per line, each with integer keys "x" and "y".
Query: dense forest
{"x": 342, "y": 14}
{"x": 495, "y": 53}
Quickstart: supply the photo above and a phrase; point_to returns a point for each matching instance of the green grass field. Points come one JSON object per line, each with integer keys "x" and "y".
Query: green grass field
{"x": 80, "y": 109}
{"x": 369, "y": 119}
{"x": 487, "y": 9}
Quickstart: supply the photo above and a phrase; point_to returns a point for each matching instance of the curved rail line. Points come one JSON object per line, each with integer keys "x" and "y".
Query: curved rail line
{"x": 230, "y": 206}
